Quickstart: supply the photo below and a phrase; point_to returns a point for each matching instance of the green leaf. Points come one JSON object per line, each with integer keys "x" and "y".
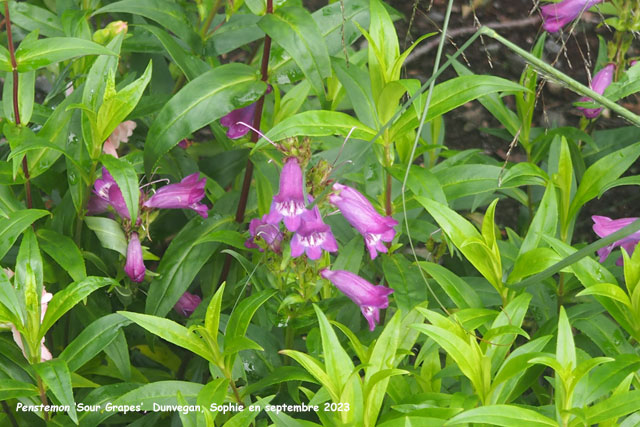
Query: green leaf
{"x": 180, "y": 263}
{"x": 405, "y": 279}
{"x": 607, "y": 290}
{"x": 502, "y": 415}
{"x": 451, "y": 94}
{"x": 31, "y": 18}
{"x": 26, "y": 92}
{"x": 116, "y": 106}
{"x": 29, "y": 262}
{"x": 565, "y": 347}
{"x": 55, "y": 374}
{"x": 13, "y": 389}
{"x": 467, "y": 239}
{"x": 34, "y": 54}
{"x": 240, "y": 319}
{"x": 167, "y": 13}
{"x": 67, "y": 298}
{"x": 109, "y": 233}
{"x": 317, "y": 123}
{"x": 315, "y": 368}
{"x": 245, "y": 418}
{"x": 462, "y": 295}
{"x": 532, "y": 262}
{"x": 92, "y": 340}
{"x": 14, "y": 225}
{"x": 191, "y": 65}
{"x": 64, "y": 251}
{"x": 9, "y": 299}
{"x": 601, "y": 173}
{"x": 338, "y": 363}
{"x": 294, "y": 29}
{"x": 198, "y": 103}
{"x": 94, "y": 91}
{"x": 212, "y": 317}
{"x": 544, "y": 221}
{"x": 357, "y": 84}
{"x": 127, "y": 179}
{"x": 614, "y": 407}
{"x": 170, "y": 331}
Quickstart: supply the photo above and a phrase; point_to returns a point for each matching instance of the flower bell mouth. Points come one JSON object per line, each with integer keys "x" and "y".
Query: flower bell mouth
{"x": 603, "y": 226}
{"x": 288, "y": 205}
{"x": 557, "y": 15}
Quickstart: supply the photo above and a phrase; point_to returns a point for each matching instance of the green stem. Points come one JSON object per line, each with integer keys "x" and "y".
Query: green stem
{"x": 578, "y": 255}
{"x": 207, "y": 23}
{"x": 43, "y": 396}
{"x": 571, "y": 83}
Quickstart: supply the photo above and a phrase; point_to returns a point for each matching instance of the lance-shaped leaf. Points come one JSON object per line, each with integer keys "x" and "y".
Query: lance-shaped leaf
{"x": 170, "y": 331}
{"x": 56, "y": 376}
{"x": 12, "y": 226}
{"x": 67, "y": 298}
{"x": 38, "y": 53}
{"x": 200, "y": 102}
{"x": 125, "y": 176}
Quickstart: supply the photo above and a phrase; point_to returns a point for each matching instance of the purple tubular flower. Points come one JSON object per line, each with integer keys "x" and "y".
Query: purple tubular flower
{"x": 184, "y": 195}
{"x": 599, "y": 84}
{"x": 603, "y": 226}
{"x": 187, "y": 304}
{"x": 270, "y": 233}
{"x": 356, "y": 209}
{"x": 289, "y": 202}
{"x": 557, "y": 15}
{"x": 232, "y": 121}
{"x": 107, "y": 193}
{"x": 370, "y": 298}
{"x": 313, "y": 236}
{"x": 134, "y": 267}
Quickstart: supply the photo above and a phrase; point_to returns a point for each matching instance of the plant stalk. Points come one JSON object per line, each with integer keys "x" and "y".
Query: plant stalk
{"x": 248, "y": 173}
{"x": 16, "y": 109}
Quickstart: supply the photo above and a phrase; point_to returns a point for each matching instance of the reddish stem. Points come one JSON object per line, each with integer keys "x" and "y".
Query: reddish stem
{"x": 16, "y": 109}
{"x": 248, "y": 173}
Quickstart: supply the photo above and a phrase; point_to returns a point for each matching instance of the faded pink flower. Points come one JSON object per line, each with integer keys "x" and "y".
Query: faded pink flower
{"x": 45, "y": 354}
{"x": 121, "y": 134}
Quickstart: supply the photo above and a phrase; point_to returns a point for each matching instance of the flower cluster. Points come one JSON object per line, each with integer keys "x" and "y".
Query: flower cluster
{"x": 311, "y": 235}
{"x": 557, "y": 15}
{"x": 186, "y": 194}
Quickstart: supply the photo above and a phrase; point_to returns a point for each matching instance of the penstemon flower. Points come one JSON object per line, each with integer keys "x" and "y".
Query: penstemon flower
{"x": 599, "y": 84}
{"x": 288, "y": 204}
{"x": 232, "y": 121}
{"x": 121, "y": 134}
{"x": 313, "y": 236}
{"x": 270, "y": 233}
{"x": 356, "y": 209}
{"x": 184, "y": 195}
{"x": 369, "y": 297}
{"x": 187, "y": 304}
{"x": 134, "y": 266}
{"x": 603, "y": 226}
{"x": 557, "y": 15}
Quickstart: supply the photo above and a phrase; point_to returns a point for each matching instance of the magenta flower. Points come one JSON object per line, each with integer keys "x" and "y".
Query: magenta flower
{"x": 134, "y": 266}
{"x": 599, "y": 84}
{"x": 187, "y": 304}
{"x": 557, "y": 15}
{"x": 356, "y": 209}
{"x": 370, "y": 298}
{"x": 603, "y": 226}
{"x": 312, "y": 236}
{"x": 270, "y": 233}
{"x": 107, "y": 193}
{"x": 232, "y": 121}
{"x": 184, "y": 195}
{"x": 289, "y": 202}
